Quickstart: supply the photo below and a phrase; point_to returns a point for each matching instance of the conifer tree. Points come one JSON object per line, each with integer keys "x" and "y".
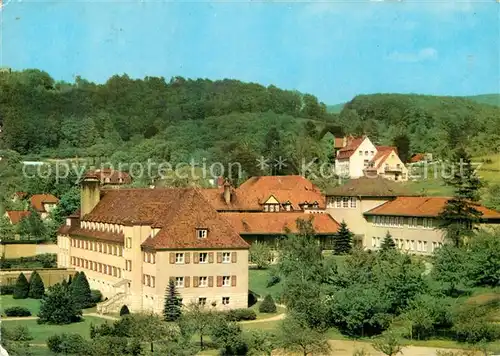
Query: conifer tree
{"x": 172, "y": 308}
{"x": 388, "y": 243}
{"x": 342, "y": 242}
{"x": 459, "y": 217}
{"x": 80, "y": 291}
{"x": 22, "y": 288}
{"x": 37, "y": 288}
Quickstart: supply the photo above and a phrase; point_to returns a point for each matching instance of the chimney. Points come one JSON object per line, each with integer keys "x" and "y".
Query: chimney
{"x": 227, "y": 191}
{"x": 90, "y": 194}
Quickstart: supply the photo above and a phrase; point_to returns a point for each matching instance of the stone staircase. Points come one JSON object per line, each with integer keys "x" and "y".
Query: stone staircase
{"x": 112, "y": 304}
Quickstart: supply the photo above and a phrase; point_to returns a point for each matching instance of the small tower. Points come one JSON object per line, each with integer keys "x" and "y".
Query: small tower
{"x": 90, "y": 193}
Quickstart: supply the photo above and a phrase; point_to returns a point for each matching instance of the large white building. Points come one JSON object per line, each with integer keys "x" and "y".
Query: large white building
{"x": 359, "y": 157}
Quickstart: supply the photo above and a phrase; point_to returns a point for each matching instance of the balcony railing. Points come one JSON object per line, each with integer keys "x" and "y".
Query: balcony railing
{"x": 393, "y": 168}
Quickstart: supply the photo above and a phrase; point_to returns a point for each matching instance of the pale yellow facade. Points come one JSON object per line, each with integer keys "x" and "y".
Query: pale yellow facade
{"x": 392, "y": 168}
{"x": 351, "y": 209}
{"x": 128, "y": 274}
{"x": 410, "y": 234}
{"x": 417, "y": 235}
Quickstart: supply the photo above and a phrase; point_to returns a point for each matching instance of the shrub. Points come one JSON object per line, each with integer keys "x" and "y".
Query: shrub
{"x": 72, "y": 344}
{"x": 252, "y": 298}
{"x": 124, "y": 311}
{"x": 17, "y": 311}
{"x": 273, "y": 280}
{"x": 267, "y": 305}
{"x": 22, "y": 287}
{"x": 4, "y": 290}
{"x": 17, "y": 333}
{"x": 58, "y": 307}
{"x": 37, "y": 289}
{"x": 95, "y": 296}
{"x": 240, "y": 314}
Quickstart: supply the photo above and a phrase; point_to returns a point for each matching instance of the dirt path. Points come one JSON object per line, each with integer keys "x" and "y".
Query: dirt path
{"x": 273, "y": 318}
{"x": 347, "y": 347}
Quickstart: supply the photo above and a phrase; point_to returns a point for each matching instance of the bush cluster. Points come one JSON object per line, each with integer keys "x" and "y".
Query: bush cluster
{"x": 9, "y": 289}
{"x": 17, "y": 311}
{"x": 240, "y": 314}
{"x": 46, "y": 260}
{"x": 95, "y": 296}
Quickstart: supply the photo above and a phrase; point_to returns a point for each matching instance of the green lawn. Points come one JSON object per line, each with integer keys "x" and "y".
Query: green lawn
{"x": 41, "y": 332}
{"x": 6, "y": 301}
{"x": 258, "y": 283}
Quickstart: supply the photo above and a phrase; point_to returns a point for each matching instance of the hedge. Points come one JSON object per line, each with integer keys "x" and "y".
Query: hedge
{"x": 17, "y": 311}
{"x": 240, "y": 314}
{"x": 8, "y": 289}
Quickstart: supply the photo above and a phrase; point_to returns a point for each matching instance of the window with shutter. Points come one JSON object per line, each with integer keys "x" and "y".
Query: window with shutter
{"x": 219, "y": 257}
{"x": 233, "y": 281}
{"x": 210, "y": 281}
{"x": 172, "y": 258}
{"x": 196, "y": 257}
{"x": 186, "y": 281}
{"x": 195, "y": 281}
{"x": 210, "y": 257}
{"x": 187, "y": 258}
{"x": 219, "y": 281}
{"x": 234, "y": 258}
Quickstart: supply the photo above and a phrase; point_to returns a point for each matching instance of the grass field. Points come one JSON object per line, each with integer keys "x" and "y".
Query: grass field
{"x": 33, "y": 305}
{"x": 6, "y": 301}
{"x": 257, "y": 280}
{"x": 41, "y": 332}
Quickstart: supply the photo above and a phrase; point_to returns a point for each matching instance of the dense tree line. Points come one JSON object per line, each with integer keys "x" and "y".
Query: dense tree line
{"x": 431, "y": 123}
{"x": 38, "y": 112}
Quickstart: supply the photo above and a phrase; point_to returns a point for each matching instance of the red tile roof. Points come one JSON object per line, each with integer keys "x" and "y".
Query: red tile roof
{"x": 338, "y": 143}
{"x": 15, "y": 216}
{"x": 110, "y": 176}
{"x": 176, "y": 212}
{"x": 276, "y": 223}
{"x": 422, "y": 206}
{"x": 257, "y": 190}
{"x": 382, "y": 153}
{"x": 350, "y": 149}
{"x": 417, "y": 157}
{"x": 38, "y": 201}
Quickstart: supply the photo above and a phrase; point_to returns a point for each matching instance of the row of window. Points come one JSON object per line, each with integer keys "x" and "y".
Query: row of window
{"x": 110, "y": 249}
{"x": 204, "y": 281}
{"x": 342, "y": 202}
{"x": 399, "y": 221}
{"x": 203, "y": 257}
{"x": 410, "y": 245}
{"x": 288, "y": 206}
{"x": 97, "y": 267}
{"x": 372, "y": 153}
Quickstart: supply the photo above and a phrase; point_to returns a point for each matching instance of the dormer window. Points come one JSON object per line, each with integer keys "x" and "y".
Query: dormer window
{"x": 287, "y": 206}
{"x": 266, "y": 207}
{"x": 305, "y": 205}
{"x": 107, "y": 180}
{"x": 315, "y": 205}
{"x": 201, "y": 233}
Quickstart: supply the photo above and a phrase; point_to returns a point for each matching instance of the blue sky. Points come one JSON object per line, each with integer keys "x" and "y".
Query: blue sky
{"x": 334, "y": 50}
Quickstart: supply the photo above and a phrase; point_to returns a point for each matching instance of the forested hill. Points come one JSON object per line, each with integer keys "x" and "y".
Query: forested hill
{"x": 431, "y": 123}
{"x": 491, "y": 99}
{"x": 39, "y": 113}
